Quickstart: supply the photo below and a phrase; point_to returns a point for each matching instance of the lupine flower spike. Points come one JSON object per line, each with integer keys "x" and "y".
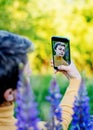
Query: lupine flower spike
{"x": 26, "y": 111}
{"x": 81, "y": 116}
{"x": 91, "y": 122}
{"x": 55, "y": 111}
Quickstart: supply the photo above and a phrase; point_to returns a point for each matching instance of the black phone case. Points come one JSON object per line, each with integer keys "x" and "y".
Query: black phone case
{"x": 64, "y": 40}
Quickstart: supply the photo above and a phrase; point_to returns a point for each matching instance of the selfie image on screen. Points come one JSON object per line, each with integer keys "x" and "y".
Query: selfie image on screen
{"x": 60, "y": 53}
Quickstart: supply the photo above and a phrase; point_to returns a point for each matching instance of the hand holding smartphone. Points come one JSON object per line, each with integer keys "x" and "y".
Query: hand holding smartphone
{"x": 60, "y": 51}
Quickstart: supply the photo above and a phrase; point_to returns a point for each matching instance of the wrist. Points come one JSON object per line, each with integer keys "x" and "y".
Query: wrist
{"x": 75, "y": 79}
{"x": 76, "y": 76}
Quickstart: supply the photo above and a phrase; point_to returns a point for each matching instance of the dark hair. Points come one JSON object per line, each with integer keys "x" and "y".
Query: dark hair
{"x": 13, "y": 50}
{"x": 57, "y": 44}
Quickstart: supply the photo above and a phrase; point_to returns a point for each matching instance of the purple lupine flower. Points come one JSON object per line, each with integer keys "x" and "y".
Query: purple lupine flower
{"x": 81, "y": 116}
{"x": 55, "y": 112}
{"x": 26, "y": 111}
{"x": 91, "y": 122}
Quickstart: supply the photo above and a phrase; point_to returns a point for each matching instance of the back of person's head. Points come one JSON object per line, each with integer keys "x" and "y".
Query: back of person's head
{"x": 13, "y": 51}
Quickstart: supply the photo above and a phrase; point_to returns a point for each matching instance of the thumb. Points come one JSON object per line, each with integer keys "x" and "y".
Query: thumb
{"x": 63, "y": 67}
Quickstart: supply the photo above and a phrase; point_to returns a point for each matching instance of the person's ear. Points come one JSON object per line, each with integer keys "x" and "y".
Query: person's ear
{"x": 8, "y": 95}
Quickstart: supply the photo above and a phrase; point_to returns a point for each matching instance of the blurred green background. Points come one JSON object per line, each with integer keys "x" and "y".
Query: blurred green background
{"x": 39, "y": 20}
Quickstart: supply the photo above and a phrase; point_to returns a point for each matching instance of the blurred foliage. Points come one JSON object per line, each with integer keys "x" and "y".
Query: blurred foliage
{"x": 39, "y": 20}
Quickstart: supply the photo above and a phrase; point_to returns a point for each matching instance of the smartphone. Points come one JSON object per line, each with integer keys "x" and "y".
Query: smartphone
{"x": 60, "y": 51}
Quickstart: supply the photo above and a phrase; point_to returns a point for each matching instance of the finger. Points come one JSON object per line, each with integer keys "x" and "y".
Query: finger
{"x": 51, "y": 62}
{"x": 63, "y": 67}
{"x": 55, "y": 71}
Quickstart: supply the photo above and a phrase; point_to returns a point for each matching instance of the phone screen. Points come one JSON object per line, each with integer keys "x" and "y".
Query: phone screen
{"x": 60, "y": 51}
